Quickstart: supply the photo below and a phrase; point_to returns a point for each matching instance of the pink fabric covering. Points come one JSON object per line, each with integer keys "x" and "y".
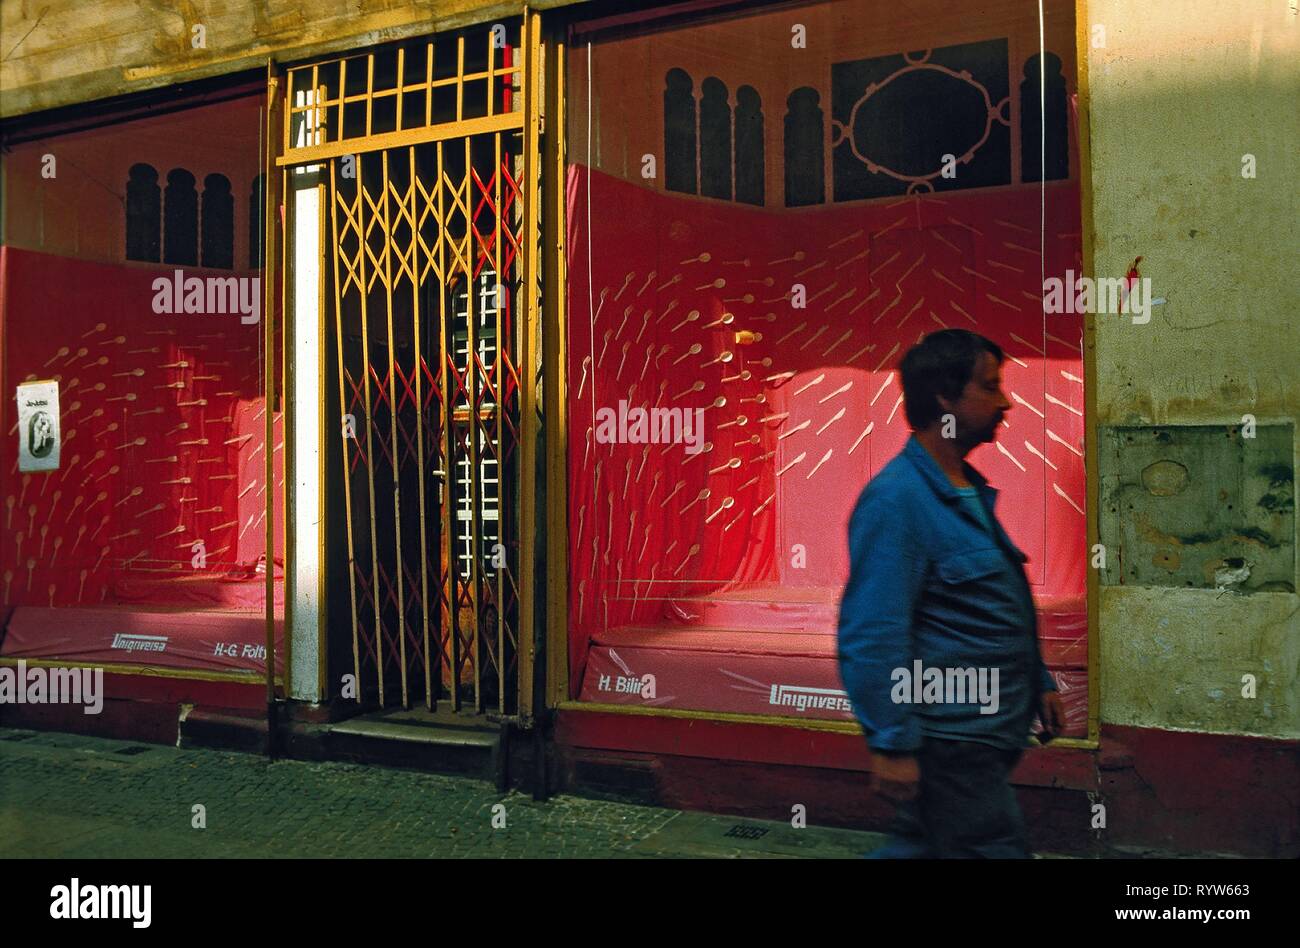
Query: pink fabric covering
{"x": 208, "y": 641}
{"x": 764, "y": 555}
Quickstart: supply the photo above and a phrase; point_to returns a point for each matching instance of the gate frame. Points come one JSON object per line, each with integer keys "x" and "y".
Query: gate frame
{"x": 528, "y": 119}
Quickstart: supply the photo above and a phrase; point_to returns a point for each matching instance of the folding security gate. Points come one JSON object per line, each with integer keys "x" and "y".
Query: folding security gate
{"x": 430, "y": 246}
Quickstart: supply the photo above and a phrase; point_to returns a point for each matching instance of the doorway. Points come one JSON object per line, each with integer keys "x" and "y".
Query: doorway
{"x": 422, "y": 150}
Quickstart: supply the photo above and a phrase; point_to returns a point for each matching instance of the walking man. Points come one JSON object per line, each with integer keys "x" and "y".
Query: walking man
{"x": 937, "y": 591}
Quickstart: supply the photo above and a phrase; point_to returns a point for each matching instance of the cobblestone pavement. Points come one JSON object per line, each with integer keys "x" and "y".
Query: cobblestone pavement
{"x": 72, "y": 796}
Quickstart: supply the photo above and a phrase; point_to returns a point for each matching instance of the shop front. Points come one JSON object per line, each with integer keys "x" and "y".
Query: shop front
{"x": 525, "y": 368}
{"x": 764, "y": 209}
{"x": 134, "y": 301}
{"x": 294, "y": 312}
{"x": 589, "y": 348}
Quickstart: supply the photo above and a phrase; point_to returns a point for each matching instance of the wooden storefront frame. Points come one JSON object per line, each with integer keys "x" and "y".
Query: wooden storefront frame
{"x": 557, "y": 482}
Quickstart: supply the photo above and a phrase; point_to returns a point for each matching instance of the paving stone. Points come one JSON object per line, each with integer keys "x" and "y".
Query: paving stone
{"x": 72, "y": 796}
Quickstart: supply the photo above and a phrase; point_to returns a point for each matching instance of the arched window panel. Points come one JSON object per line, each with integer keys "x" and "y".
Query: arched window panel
{"x": 218, "y": 223}
{"x": 1045, "y": 100}
{"x": 749, "y": 146}
{"x": 180, "y": 219}
{"x": 143, "y": 213}
{"x": 715, "y": 139}
{"x": 934, "y": 119}
{"x": 679, "y": 132}
{"x": 805, "y": 174}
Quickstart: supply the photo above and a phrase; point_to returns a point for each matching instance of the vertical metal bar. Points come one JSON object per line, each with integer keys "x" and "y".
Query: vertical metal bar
{"x": 370, "y": 449}
{"x": 451, "y": 583}
{"x": 460, "y": 76}
{"x": 288, "y": 120}
{"x": 428, "y": 88}
{"x": 531, "y": 246}
{"x": 419, "y": 420}
{"x": 343, "y": 101}
{"x": 336, "y": 252}
{"x": 323, "y": 195}
{"x": 370, "y": 90}
{"x": 314, "y": 137}
{"x": 399, "y": 577}
{"x": 508, "y": 523}
{"x": 287, "y": 421}
{"x": 498, "y": 409}
{"x": 491, "y": 69}
{"x": 268, "y": 432}
{"x": 555, "y": 342}
{"x": 401, "y": 84}
{"x": 475, "y": 423}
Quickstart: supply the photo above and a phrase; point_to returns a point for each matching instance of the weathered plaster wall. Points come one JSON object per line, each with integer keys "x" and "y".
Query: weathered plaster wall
{"x": 57, "y": 52}
{"x": 1180, "y": 92}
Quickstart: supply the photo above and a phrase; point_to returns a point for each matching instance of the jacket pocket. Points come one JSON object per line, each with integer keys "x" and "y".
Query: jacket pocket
{"x": 970, "y": 565}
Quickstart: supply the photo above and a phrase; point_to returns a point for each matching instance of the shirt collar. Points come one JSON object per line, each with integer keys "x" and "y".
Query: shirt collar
{"x": 929, "y": 470}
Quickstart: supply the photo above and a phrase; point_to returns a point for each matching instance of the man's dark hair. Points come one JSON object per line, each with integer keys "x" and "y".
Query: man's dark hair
{"x": 940, "y": 364}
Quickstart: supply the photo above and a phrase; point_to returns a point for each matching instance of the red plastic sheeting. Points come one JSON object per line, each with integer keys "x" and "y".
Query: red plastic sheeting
{"x": 761, "y": 558}
{"x": 235, "y": 591}
{"x": 163, "y": 423}
{"x": 748, "y": 683}
{"x": 792, "y": 672}
{"x": 210, "y": 641}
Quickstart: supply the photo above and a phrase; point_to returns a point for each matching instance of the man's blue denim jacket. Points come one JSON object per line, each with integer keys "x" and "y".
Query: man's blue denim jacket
{"x": 928, "y": 582}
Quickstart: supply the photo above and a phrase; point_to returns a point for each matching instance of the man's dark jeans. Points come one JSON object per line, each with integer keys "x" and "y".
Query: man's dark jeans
{"x": 965, "y": 807}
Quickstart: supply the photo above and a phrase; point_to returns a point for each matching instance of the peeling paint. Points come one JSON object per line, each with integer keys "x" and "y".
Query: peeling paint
{"x": 1165, "y": 478}
{"x": 1199, "y": 506}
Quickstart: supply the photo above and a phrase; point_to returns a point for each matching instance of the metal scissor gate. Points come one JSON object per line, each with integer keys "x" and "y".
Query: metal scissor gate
{"x": 430, "y": 245}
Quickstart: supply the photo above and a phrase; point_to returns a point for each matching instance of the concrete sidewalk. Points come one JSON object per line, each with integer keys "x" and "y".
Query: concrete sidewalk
{"x": 71, "y": 796}
{"x": 65, "y": 795}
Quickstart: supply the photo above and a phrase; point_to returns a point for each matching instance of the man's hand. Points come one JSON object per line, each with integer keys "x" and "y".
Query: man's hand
{"x": 1052, "y": 713}
{"x": 895, "y": 777}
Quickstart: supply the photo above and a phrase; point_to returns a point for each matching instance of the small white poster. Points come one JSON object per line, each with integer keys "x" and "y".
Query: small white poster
{"x": 38, "y": 426}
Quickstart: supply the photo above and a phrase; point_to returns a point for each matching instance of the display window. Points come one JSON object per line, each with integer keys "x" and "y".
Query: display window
{"x": 133, "y": 321}
{"x": 765, "y": 211}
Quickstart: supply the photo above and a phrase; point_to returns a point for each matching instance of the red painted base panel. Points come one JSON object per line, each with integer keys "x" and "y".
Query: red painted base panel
{"x": 1164, "y": 790}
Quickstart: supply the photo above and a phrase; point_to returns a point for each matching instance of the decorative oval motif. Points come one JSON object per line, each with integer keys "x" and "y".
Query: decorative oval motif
{"x": 957, "y": 121}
